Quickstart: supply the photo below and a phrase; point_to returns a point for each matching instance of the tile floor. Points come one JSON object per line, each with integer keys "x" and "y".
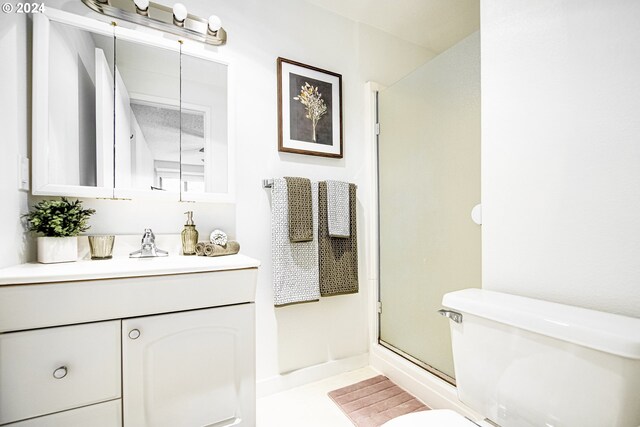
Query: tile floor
{"x": 309, "y": 405}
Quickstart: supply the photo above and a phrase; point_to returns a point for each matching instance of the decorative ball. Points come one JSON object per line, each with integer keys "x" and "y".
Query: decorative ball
{"x": 218, "y": 237}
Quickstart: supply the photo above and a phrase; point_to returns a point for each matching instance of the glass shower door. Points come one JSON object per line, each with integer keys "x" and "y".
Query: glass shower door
{"x": 429, "y": 180}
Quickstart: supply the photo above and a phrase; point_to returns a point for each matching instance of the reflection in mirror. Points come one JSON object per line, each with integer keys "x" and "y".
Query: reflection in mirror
{"x": 204, "y": 127}
{"x": 147, "y": 119}
{"x": 80, "y": 97}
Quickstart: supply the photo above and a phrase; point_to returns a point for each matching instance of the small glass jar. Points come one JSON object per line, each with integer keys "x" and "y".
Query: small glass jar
{"x": 101, "y": 246}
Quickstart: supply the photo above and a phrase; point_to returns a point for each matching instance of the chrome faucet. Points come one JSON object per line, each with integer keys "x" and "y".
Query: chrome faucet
{"x": 148, "y": 248}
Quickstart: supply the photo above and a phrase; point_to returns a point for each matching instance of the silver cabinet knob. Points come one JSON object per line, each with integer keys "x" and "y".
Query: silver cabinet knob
{"x": 134, "y": 334}
{"x": 60, "y": 373}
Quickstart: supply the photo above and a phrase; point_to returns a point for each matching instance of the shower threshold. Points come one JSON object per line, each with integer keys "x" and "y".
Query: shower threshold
{"x": 418, "y": 362}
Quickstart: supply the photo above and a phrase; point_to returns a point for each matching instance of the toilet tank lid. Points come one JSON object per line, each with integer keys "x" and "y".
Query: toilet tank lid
{"x": 607, "y": 332}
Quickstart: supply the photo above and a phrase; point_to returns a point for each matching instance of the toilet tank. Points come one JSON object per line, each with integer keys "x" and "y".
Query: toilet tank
{"x": 522, "y": 362}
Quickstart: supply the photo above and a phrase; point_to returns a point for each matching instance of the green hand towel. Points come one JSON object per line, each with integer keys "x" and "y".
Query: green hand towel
{"x": 300, "y": 209}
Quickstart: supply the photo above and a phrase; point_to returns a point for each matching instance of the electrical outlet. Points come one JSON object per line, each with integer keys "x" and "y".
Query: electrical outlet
{"x": 23, "y": 173}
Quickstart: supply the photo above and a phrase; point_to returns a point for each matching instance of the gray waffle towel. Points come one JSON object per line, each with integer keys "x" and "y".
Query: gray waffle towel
{"x": 338, "y": 208}
{"x": 295, "y": 265}
{"x": 338, "y": 256}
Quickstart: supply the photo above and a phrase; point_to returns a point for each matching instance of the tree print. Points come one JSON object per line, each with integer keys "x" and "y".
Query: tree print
{"x": 314, "y": 104}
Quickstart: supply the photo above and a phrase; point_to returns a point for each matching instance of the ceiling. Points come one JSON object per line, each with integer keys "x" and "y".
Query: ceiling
{"x": 434, "y": 24}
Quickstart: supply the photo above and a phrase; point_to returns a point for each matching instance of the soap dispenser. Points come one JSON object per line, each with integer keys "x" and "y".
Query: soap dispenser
{"x": 189, "y": 236}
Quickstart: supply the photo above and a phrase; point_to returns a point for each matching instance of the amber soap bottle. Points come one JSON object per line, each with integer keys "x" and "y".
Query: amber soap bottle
{"x": 189, "y": 236}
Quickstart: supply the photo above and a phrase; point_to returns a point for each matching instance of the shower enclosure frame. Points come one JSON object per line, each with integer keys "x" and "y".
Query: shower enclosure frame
{"x": 383, "y": 343}
{"x": 401, "y": 368}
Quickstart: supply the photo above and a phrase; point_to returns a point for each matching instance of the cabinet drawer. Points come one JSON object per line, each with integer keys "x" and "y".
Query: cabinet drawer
{"x": 108, "y": 414}
{"x": 50, "y": 370}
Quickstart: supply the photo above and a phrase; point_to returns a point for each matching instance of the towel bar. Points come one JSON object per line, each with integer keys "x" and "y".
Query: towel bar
{"x": 268, "y": 183}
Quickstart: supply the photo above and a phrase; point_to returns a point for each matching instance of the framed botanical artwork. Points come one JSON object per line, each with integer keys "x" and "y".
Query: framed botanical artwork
{"x": 309, "y": 110}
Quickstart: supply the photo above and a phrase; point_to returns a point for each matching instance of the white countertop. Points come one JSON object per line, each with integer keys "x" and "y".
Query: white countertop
{"x": 31, "y": 273}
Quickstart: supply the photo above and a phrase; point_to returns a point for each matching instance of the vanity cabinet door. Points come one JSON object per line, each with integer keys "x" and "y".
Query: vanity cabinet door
{"x": 194, "y": 368}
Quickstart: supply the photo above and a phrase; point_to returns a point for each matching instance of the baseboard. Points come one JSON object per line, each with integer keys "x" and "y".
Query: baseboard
{"x": 303, "y": 376}
{"x": 434, "y": 392}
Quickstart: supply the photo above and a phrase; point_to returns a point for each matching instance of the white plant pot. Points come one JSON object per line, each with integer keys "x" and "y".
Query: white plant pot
{"x": 57, "y": 249}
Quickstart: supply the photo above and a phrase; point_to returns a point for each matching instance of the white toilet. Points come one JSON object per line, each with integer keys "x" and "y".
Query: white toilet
{"x": 522, "y": 362}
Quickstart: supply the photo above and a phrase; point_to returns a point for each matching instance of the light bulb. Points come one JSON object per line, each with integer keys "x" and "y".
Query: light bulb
{"x": 214, "y": 23}
{"x": 179, "y": 12}
{"x": 142, "y": 4}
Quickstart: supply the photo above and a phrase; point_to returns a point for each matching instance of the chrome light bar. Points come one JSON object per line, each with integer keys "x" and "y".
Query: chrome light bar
{"x": 176, "y": 21}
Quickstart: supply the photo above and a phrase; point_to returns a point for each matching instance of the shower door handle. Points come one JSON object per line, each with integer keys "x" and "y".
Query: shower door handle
{"x": 453, "y": 315}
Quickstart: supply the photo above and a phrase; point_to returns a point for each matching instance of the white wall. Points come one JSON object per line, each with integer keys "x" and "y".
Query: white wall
{"x": 304, "y": 335}
{"x": 561, "y": 151}
{"x": 15, "y": 123}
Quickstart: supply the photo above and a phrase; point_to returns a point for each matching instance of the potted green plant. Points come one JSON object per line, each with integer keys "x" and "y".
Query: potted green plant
{"x": 58, "y": 223}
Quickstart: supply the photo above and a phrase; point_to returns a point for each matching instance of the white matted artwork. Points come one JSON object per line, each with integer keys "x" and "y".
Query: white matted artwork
{"x": 309, "y": 110}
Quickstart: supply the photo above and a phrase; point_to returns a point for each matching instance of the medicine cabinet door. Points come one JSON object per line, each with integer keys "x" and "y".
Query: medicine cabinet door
{"x": 206, "y": 149}
{"x": 147, "y": 116}
{"x": 73, "y": 103}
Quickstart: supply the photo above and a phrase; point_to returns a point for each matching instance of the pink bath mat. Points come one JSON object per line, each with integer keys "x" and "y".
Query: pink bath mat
{"x": 373, "y": 402}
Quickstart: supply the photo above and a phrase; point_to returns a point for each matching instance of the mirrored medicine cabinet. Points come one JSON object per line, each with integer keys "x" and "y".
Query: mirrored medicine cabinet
{"x": 122, "y": 113}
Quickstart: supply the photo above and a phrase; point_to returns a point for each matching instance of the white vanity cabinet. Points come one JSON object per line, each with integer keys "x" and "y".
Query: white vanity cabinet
{"x": 129, "y": 343}
{"x": 193, "y": 368}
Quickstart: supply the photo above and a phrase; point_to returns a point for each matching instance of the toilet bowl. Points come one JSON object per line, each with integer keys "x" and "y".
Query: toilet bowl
{"x": 433, "y": 418}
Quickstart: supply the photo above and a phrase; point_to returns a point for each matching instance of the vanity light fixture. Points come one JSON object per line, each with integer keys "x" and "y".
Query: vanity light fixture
{"x": 175, "y": 20}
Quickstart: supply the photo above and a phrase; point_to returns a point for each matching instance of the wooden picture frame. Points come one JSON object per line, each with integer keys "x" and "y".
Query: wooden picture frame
{"x": 309, "y": 110}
